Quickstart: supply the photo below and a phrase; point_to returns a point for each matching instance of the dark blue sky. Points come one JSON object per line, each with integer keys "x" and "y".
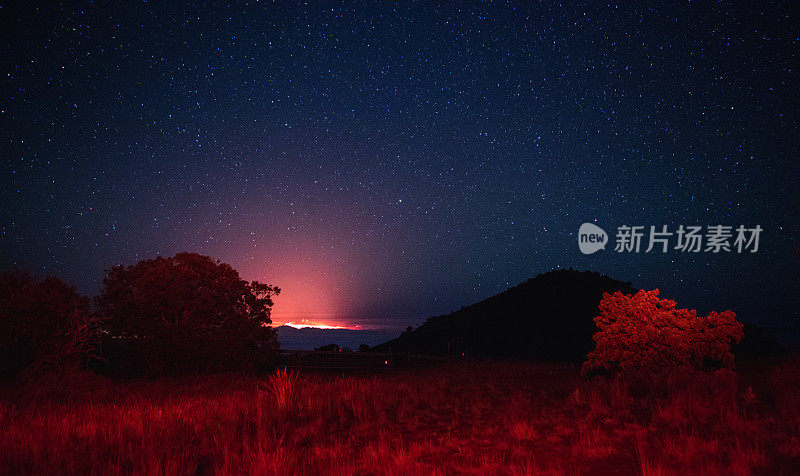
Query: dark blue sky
{"x": 386, "y": 163}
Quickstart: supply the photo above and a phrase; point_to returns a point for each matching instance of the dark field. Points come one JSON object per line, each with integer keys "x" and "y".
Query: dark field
{"x": 469, "y": 417}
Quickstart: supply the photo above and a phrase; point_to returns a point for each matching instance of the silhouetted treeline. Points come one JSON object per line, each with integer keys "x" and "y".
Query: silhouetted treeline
{"x": 183, "y": 314}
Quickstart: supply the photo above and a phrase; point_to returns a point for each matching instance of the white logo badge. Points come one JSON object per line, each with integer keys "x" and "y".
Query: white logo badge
{"x": 591, "y": 238}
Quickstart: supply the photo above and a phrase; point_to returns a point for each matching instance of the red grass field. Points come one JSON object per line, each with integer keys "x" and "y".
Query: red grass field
{"x": 470, "y": 417}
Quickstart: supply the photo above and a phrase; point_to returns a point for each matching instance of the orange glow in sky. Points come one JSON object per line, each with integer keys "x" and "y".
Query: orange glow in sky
{"x": 306, "y": 323}
{"x": 314, "y": 287}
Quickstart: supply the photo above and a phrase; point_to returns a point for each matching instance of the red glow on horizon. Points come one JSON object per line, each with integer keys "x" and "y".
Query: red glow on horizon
{"x": 304, "y": 323}
{"x": 322, "y": 284}
{"x": 311, "y": 282}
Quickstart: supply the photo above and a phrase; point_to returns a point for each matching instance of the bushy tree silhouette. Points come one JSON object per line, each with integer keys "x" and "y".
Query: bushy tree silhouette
{"x": 186, "y": 313}
{"x": 642, "y": 334}
{"x": 42, "y": 323}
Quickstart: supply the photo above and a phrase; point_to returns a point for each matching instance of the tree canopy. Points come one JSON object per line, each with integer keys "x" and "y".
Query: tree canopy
{"x": 642, "y": 334}
{"x": 42, "y": 322}
{"x": 186, "y": 313}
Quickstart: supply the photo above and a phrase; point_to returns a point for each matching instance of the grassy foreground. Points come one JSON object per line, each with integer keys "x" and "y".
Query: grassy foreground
{"x": 470, "y": 417}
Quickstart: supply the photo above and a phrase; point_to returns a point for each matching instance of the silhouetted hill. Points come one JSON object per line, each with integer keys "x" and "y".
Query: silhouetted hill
{"x": 549, "y": 317}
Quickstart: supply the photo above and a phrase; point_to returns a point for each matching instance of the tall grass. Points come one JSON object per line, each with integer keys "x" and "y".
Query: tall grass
{"x": 281, "y": 388}
{"x": 471, "y": 418}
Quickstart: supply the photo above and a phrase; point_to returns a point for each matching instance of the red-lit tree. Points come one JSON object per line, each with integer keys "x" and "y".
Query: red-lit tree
{"x": 42, "y": 322}
{"x": 186, "y": 313}
{"x": 642, "y": 334}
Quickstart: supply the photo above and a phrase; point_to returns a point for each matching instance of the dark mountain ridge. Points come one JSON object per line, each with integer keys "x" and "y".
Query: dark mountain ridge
{"x": 549, "y": 317}
{"x": 309, "y": 338}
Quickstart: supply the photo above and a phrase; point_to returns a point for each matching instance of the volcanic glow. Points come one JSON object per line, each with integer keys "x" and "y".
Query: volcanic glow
{"x": 305, "y": 323}
{"x": 313, "y": 286}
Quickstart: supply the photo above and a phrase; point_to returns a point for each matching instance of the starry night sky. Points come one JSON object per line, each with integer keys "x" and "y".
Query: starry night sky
{"x": 385, "y": 163}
